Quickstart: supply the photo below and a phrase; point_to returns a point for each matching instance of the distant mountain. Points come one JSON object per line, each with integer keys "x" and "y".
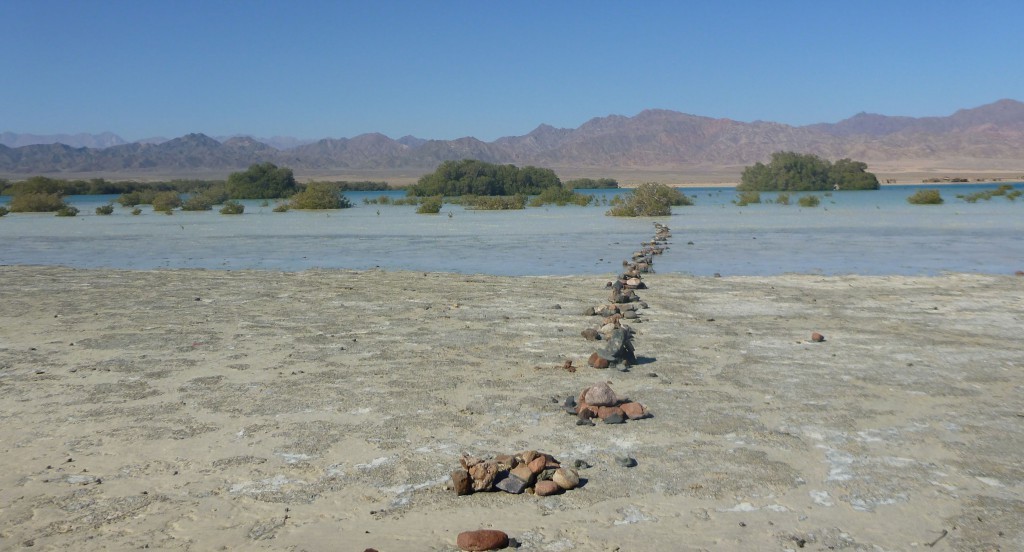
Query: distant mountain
{"x": 82, "y": 140}
{"x": 654, "y": 138}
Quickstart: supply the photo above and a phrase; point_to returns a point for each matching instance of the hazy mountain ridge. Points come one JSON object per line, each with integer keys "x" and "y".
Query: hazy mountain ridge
{"x": 652, "y": 138}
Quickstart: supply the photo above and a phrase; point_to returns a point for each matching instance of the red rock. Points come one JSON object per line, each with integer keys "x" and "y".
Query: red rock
{"x": 1019, "y": 273}
{"x": 537, "y": 464}
{"x": 546, "y": 488}
{"x": 605, "y": 411}
{"x": 596, "y": 361}
{"x": 528, "y": 455}
{"x": 483, "y": 475}
{"x": 634, "y": 410}
{"x": 461, "y": 482}
{"x": 817, "y": 337}
{"x": 482, "y": 539}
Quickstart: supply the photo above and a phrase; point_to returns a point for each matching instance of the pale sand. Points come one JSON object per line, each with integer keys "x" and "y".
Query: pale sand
{"x": 200, "y": 410}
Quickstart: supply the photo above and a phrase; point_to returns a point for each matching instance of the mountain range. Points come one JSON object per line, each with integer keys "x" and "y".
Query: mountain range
{"x": 992, "y": 133}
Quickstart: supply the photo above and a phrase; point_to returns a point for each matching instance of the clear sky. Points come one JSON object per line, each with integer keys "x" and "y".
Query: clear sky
{"x": 486, "y": 68}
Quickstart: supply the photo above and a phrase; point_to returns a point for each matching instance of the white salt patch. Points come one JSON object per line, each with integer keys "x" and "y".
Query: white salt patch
{"x": 264, "y": 485}
{"x": 821, "y": 498}
{"x": 990, "y": 481}
{"x": 375, "y": 463}
{"x": 293, "y": 457}
{"x": 359, "y": 411}
{"x": 741, "y": 507}
{"x": 632, "y": 514}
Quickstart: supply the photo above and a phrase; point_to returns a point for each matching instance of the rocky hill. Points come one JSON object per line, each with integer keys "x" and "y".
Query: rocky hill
{"x": 652, "y": 138}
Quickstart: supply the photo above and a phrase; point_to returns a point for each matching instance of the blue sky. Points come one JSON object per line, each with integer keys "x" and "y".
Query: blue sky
{"x": 446, "y": 69}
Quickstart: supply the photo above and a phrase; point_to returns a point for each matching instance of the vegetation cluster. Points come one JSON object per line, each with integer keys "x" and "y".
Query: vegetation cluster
{"x": 925, "y": 197}
{"x": 472, "y": 177}
{"x": 795, "y": 172}
{"x": 1005, "y": 190}
{"x": 591, "y": 184}
{"x": 650, "y": 199}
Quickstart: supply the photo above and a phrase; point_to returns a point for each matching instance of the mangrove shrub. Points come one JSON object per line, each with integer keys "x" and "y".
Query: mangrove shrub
{"x": 649, "y": 200}
{"x": 472, "y": 177}
{"x": 796, "y": 172}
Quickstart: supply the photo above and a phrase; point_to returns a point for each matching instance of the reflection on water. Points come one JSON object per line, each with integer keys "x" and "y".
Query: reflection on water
{"x": 875, "y": 232}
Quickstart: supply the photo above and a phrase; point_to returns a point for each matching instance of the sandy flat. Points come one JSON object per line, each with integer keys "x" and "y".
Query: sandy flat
{"x": 324, "y": 410}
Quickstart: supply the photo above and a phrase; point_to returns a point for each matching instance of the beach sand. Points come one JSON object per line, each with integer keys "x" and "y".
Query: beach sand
{"x": 324, "y": 410}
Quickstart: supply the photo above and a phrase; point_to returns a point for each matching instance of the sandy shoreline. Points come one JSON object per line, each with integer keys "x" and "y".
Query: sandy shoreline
{"x": 323, "y": 410}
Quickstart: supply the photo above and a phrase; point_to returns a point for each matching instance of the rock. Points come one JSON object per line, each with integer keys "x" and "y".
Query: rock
{"x": 546, "y": 488}
{"x": 634, "y": 410}
{"x": 630, "y": 315}
{"x": 590, "y": 334}
{"x": 505, "y": 460}
{"x": 595, "y": 361}
{"x": 586, "y": 412}
{"x": 604, "y": 412}
{"x": 589, "y": 311}
{"x": 512, "y": 484}
{"x": 537, "y": 465}
{"x": 817, "y": 337}
{"x": 614, "y": 418}
{"x": 483, "y": 475}
{"x": 483, "y": 539}
{"x": 524, "y": 472}
{"x": 584, "y": 422}
{"x": 599, "y": 394}
{"x": 580, "y": 464}
{"x": 461, "y": 482}
{"x": 528, "y": 455}
{"x": 625, "y": 461}
{"x": 566, "y": 478}
{"x": 570, "y": 405}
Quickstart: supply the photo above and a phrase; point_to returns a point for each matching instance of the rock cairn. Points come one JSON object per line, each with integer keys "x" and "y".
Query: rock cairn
{"x": 624, "y": 304}
{"x": 527, "y": 472}
{"x": 601, "y": 402}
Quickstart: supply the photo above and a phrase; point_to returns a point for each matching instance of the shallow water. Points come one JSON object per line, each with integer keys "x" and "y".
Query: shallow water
{"x": 873, "y": 232}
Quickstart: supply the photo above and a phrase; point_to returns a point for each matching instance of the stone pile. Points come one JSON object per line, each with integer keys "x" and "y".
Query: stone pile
{"x": 529, "y": 471}
{"x": 600, "y": 401}
{"x": 624, "y": 304}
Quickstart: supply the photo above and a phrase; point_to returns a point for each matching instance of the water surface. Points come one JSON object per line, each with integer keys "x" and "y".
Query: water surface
{"x": 866, "y": 232}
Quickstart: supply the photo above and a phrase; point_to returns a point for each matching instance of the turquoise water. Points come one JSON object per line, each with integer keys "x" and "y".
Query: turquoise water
{"x": 873, "y": 232}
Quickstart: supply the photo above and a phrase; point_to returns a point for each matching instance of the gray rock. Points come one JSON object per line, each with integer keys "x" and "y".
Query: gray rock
{"x": 512, "y": 484}
{"x": 625, "y": 461}
{"x": 615, "y": 418}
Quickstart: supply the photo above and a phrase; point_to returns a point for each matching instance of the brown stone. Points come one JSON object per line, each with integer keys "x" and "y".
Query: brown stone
{"x": 604, "y": 412}
{"x": 528, "y": 455}
{"x": 537, "y": 464}
{"x": 546, "y": 488}
{"x": 483, "y": 475}
{"x": 505, "y": 460}
{"x": 566, "y": 478}
{"x": 596, "y": 361}
{"x": 482, "y": 539}
{"x": 586, "y": 412}
{"x": 590, "y": 334}
{"x": 634, "y": 410}
{"x": 523, "y": 471}
{"x": 817, "y": 337}
{"x": 461, "y": 482}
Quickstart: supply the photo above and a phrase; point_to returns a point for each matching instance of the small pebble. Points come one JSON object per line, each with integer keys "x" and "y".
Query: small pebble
{"x": 582, "y": 422}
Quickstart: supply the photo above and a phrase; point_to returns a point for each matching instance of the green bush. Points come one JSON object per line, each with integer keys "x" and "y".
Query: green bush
{"x": 745, "y": 198}
{"x": 3, "y": 210}
{"x": 205, "y": 200}
{"x": 650, "y": 199}
{"x": 281, "y": 208}
{"x": 67, "y": 211}
{"x": 809, "y": 201}
{"x": 782, "y": 199}
{"x": 107, "y": 209}
{"x": 33, "y": 202}
{"x": 590, "y": 183}
{"x": 561, "y": 196}
{"x": 262, "y": 181}
{"x": 493, "y": 203}
{"x": 138, "y": 197}
{"x": 472, "y": 177}
{"x": 232, "y": 207}
{"x": 789, "y": 171}
{"x": 319, "y": 195}
{"x": 430, "y": 205}
{"x": 925, "y": 197}
{"x": 166, "y": 201}
{"x": 136, "y": 211}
